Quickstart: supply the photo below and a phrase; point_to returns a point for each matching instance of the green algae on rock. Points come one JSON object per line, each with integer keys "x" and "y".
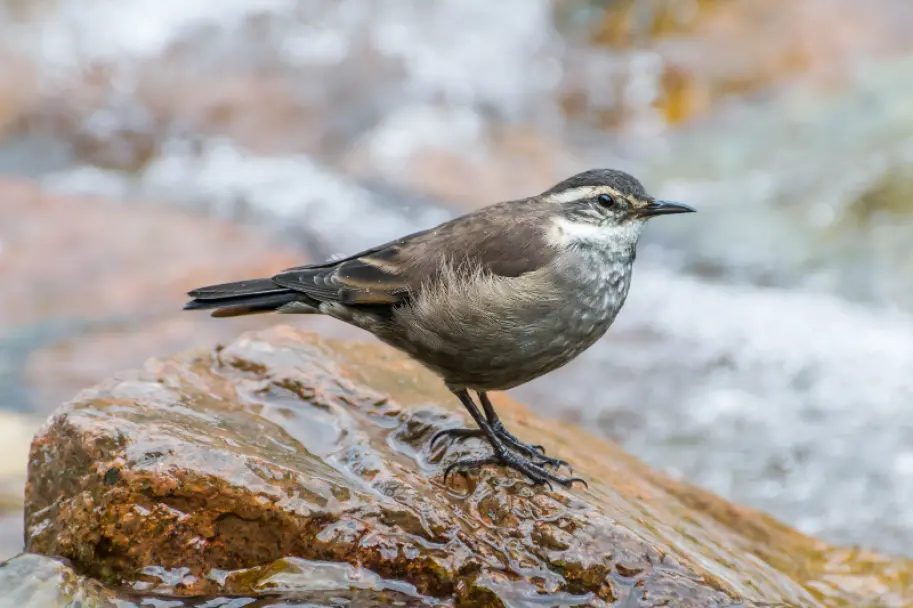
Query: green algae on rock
{"x": 283, "y": 459}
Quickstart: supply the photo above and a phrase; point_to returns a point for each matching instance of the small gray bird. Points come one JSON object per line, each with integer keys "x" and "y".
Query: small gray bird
{"x": 488, "y": 301}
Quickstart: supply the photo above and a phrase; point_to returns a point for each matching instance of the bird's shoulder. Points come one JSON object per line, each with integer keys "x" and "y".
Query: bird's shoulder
{"x": 500, "y": 240}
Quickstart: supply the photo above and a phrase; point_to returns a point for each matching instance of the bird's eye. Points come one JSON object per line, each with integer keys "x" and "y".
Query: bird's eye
{"x": 607, "y": 200}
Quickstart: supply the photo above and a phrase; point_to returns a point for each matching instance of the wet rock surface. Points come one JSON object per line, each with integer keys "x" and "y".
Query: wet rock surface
{"x": 92, "y": 286}
{"x": 285, "y": 464}
{"x": 36, "y": 581}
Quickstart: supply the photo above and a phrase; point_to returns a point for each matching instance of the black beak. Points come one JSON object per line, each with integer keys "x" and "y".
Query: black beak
{"x": 664, "y": 208}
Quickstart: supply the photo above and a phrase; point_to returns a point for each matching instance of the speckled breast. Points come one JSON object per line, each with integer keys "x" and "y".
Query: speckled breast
{"x": 533, "y": 339}
{"x": 595, "y": 293}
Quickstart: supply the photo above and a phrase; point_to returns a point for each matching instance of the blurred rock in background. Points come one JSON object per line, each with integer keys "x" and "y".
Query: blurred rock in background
{"x": 152, "y": 147}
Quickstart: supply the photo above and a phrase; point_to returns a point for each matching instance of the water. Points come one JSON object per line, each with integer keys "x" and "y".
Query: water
{"x": 765, "y": 347}
{"x": 808, "y": 191}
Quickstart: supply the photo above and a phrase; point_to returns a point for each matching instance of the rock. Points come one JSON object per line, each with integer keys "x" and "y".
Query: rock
{"x": 35, "y": 581}
{"x": 67, "y": 256}
{"x": 711, "y": 51}
{"x": 283, "y": 462}
{"x": 94, "y": 286}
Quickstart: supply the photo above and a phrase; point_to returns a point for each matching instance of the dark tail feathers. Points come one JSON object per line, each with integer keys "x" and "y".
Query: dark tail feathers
{"x": 242, "y": 298}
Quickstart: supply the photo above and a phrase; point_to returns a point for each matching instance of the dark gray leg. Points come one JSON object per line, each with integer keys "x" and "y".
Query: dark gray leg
{"x": 527, "y": 449}
{"x": 502, "y": 455}
{"x": 533, "y": 452}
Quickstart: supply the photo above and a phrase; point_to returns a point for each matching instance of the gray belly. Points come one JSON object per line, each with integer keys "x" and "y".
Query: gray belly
{"x": 503, "y": 341}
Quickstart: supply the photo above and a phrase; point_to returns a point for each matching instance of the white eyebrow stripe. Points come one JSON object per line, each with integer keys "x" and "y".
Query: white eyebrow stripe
{"x": 579, "y": 193}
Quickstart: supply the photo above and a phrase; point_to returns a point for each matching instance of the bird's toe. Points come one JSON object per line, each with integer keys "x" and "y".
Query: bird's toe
{"x": 535, "y": 453}
{"x": 533, "y": 471}
{"x": 454, "y": 435}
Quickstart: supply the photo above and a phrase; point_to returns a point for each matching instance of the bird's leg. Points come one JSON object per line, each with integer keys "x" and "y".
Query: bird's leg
{"x": 528, "y": 450}
{"x": 533, "y": 452}
{"x": 460, "y": 434}
{"x": 502, "y": 455}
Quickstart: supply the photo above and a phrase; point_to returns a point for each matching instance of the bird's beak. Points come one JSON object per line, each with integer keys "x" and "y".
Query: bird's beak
{"x": 655, "y": 208}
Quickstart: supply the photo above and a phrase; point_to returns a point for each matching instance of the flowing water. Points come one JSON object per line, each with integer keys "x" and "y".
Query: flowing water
{"x": 766, "y": 347}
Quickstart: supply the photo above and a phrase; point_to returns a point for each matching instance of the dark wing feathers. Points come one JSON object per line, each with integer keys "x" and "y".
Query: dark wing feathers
{"x": 496, "y": 240}
{"x": 493, "y": 240}
{"x": 356, "y": 280}
{"x": 250, "y": 287}
{"x": 262, "y": 301}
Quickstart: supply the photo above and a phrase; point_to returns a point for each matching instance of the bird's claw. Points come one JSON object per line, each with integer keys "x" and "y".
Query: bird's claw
{"x": 536, "y": 473}
{"x": 467, "y": 463}
{"x": 455, "y": 434}
{"x": 532, "y": 452}
{"x": 535, "y": 453}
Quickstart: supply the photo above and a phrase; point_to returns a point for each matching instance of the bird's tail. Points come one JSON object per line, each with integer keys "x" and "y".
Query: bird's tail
{"x": 250, "y": 297}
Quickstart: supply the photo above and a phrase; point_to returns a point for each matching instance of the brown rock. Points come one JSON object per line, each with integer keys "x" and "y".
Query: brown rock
{"x": 198, "y": 474}
{"x": 712, "y": 50}
{"x": 83, "y": 257}
{"x": 19, "y": 88}
{"x": 54, "y": 371}
{"x": 93, "y": 286}
{"x": 36, "y": 581}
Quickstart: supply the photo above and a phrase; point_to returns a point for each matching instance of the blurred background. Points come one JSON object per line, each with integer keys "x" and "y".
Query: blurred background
{"x": 766, "y": 350}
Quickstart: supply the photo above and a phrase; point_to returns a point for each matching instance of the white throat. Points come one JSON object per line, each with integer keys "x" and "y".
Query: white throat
{"x": 565, "y": 233}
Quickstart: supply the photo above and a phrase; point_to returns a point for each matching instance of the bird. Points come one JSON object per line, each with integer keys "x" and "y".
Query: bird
{"x": 488, "y": 301}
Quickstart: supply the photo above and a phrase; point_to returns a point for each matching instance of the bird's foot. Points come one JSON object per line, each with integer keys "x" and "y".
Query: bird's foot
{"x": 529, "y": 450}
{"x": 531, "y": 470}
{"x": 536, "y": 453}
{"x": 455, "y": 435}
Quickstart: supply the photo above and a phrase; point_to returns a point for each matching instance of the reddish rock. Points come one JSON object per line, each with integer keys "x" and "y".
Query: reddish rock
{"x": 238, "y": 470}
{"x": 711, "y": 50}
{"x": 94, "y": 286}
{"x": 19, "y": 89}
{"x": 89, "y": 258}
{"x": 54, "y": 371}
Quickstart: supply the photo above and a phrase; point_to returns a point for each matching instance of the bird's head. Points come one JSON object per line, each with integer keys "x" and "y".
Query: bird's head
{"x": 603, "y": 208}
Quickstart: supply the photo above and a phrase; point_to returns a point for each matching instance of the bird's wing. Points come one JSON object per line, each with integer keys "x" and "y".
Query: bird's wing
{"x": 487, "y": 240}
{"x": 372, "y": 277}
